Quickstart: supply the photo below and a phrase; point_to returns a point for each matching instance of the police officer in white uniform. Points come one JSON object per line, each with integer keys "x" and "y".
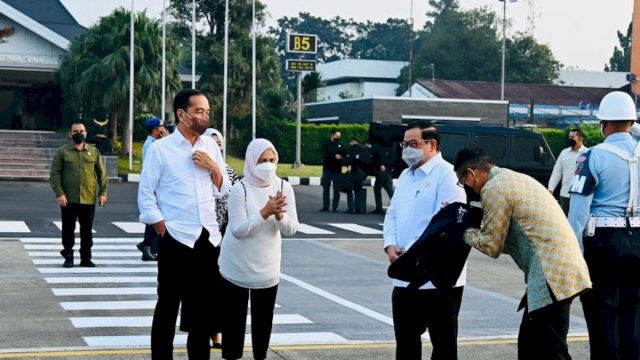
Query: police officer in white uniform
{"x": 605, "y": 216}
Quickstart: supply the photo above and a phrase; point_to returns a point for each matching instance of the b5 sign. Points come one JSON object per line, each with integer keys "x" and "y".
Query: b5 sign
{"x": 302, "y": 43}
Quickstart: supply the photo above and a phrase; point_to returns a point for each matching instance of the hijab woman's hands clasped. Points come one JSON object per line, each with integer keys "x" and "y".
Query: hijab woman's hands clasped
{"x": 277, "y": 206}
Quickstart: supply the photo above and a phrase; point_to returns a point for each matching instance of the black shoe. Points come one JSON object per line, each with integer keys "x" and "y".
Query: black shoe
{"x": 140, "y": 246}
{"x": 377, "y": 211}
{"x": 324, "y": 209}
{"x": 348, "y": 211}
{"x": 146, "y": 254}
{"x": 87, "y": 263}
{"x": 335, "y": 210}
{"x": 68, "y": 258}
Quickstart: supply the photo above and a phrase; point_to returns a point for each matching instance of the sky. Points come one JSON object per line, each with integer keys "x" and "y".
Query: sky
{"x": 581, "y": 33}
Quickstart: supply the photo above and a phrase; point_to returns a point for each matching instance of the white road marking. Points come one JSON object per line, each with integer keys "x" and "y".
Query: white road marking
{"x": 59, "y": 226}
{"x": 300, "y": 338}
{"x": 130, "y": 227}
{"x": 99, "y": 262}
{"x": 14, "y": 227}
{"x": 356, "y": 228}
{"x": 101, "y": 280}
{"x": 312, "y": 230}
{"x": 94, "y": 254}
{"x": 338, "y": 300}
{"x": 104, "y": 291}
{"x": 98, "y": 270}
{"x": 145, "y": 321}
{"x": 108, "y": 305}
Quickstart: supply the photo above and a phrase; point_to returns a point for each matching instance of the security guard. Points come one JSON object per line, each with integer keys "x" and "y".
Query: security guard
{"x": 605, "y": 216}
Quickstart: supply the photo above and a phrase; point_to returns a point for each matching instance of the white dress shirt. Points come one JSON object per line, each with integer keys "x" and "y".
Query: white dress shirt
{"x": 419, "y": 195}
{"x": 172, "y": 188}
{"x": 251, "y": 251}
{"x": 564, "y": 169}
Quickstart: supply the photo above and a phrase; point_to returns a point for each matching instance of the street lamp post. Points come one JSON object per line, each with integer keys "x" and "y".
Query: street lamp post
{"x": 504, "y": 42}
{"x": 131, "y": 75}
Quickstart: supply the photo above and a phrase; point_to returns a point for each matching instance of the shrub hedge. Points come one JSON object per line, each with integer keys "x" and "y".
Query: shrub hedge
{"x": 557, "y": 138}
{"x": 283, "y": 136}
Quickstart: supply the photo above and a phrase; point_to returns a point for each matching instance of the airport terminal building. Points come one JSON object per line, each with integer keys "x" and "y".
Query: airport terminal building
{"x": 34, "y": 37}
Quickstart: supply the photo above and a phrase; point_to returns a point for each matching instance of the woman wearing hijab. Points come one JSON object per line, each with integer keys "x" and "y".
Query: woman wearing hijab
{"x": 261, "y": 207}
{"x": 222, "y": 215}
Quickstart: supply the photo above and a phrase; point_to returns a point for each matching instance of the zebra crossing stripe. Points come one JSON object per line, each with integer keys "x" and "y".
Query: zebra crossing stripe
{"x": 130, "y": 227}
{"x": 94, "y": 254}
{"x": 94, "y": 247}
{"x": 98, "y": 270}
{"x": 14, "y": 227}
{"x": 101, "y": 280}
{"x": 300, "y": 338}
{"x": 132, "y": 241}
{"x": 312, "y": 230}
{"x": 145, "y": 321}
{"x": 59, "y": 226}
{"x": 99, "y": 262}
{"x": 109, "y": 305}
{"x": 356, "y": 228}
{"x": 104, "y": 291}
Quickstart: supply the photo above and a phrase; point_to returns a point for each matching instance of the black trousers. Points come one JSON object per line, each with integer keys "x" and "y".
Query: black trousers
{"x": 356, "y": 206}
{"x": 415, "y": 311}
{"x": 383, "y": 181}
{"x": 84, "y": 215}
{"x": 564, "y": 204}
{"x": 329, "y": 177}
{"x": 543, "y": 332}
{"x": 612, "y": 308}
{"x": 235, "y": 317}
{"x": 186, "y": 276}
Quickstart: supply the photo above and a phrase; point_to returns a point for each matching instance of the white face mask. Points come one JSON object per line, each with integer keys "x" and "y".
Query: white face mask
{"x": 266, "y": 171}
{"x": 412, "y": 156}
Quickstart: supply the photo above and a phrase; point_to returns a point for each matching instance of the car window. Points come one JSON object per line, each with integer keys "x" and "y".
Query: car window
{"x": 527, "y": 149}
{"x": 451, "y": 143}
{"x": 495, "y": 145}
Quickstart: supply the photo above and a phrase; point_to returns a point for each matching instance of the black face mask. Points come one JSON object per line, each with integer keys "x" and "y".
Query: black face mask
{"x": 78, "y": 138}
{"x": 336, "y": 140}
{"x": 471, "y": 194}
{"x": 571, "y": 142}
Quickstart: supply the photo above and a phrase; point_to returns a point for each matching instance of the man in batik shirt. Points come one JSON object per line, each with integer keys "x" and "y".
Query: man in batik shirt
{"x": 522, "y": 219}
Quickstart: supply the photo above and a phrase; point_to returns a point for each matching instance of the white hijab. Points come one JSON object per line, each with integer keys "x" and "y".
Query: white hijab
{"x": 254, "y": 150}
{"x": 212, "y": 131}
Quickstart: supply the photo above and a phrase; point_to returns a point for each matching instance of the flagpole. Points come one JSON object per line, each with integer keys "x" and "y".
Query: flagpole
{"x": 193, "y": 45}
{"x": 164, "y": 59}
{"x": 131, "y": 79}
{"x": 253, "y": 72}
{"x": 226, "y": 74}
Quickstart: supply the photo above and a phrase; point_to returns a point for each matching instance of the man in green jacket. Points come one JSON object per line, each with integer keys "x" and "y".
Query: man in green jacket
{"x": 76, "y": 172}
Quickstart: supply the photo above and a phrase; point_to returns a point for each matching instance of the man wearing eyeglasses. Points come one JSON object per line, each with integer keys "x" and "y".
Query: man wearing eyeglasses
{"x": 521, "y": 218}
{"x": 423, "y": 189}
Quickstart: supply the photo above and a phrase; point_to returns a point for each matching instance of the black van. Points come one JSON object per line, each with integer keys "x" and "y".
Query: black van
{"x": 521, "y": 150}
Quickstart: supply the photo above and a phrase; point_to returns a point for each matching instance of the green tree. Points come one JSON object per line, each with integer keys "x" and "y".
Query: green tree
{"x": 382, "y": 41}
{"x": 529, "y": 62}
{"x": 95, "y": 73}
{"x": 621, "y": 58}
{"x": 210, "y": 61}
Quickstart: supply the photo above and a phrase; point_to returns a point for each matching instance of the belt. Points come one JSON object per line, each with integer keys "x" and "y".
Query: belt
{"x": 617, "y": 222}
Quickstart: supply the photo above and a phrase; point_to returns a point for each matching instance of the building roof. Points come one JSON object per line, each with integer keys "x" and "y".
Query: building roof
{"x": 50, "y": 13}
{"x": 515, "y": 93}
{"x": 598, "y": 79}
{"x": 360, "y": 69}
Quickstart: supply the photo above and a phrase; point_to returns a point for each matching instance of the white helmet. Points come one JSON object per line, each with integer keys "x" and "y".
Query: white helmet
{"x": 617, "y": 106}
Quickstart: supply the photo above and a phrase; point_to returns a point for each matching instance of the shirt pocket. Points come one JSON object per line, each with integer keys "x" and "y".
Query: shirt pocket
{"x": 88, "y": 162}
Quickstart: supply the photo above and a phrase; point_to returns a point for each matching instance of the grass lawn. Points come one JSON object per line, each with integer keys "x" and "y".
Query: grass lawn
{"x": 234, "y": 162}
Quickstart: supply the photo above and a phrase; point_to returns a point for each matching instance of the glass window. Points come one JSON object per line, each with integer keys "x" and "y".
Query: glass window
{"x": 527, "y": 149}
{"x": 451, "y": 143}
{"x": 494, "y": 145}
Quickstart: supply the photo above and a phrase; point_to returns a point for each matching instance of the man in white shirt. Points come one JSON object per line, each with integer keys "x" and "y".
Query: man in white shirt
{"x": 182, "y": 176}
{"x": 566, "y": 167}
{"x": 423, "y": 189}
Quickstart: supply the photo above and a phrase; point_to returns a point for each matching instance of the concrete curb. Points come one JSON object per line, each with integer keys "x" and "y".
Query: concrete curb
{"x": 293, "y": 180}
